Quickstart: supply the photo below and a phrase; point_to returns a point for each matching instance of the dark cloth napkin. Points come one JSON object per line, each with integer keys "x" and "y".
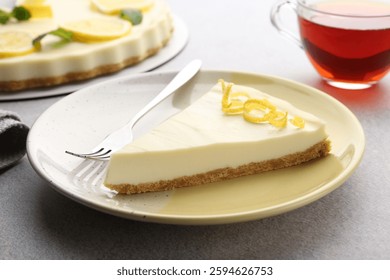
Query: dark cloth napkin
{"x": 13, "y": 136}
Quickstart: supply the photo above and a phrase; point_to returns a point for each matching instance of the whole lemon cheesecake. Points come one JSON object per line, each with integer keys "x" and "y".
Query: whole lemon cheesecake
{"x": 231, "y": 131}
{"x": 46, "y": 43}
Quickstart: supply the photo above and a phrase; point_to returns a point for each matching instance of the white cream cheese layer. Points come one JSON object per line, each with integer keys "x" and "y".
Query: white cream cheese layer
{"x": 202, "y": 138}
{"x": 151, "y": 34}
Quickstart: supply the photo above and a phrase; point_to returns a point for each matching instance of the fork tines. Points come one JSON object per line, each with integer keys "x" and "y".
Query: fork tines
{"x": 100, "y": 154}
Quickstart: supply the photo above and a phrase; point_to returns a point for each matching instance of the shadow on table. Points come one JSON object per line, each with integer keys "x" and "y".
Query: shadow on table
{"x": 371, "y": 99}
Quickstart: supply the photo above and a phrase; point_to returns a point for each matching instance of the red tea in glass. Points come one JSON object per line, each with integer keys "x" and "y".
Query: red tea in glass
{"x": 348, "y": 42}
{"x": 349, "y": 52}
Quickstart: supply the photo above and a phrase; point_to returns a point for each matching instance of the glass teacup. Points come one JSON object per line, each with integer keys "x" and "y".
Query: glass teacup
{"x": 347, "y": 42}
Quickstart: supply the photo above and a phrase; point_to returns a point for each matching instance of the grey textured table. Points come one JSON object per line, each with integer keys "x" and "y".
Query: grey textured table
{"x": 352, "y": 222}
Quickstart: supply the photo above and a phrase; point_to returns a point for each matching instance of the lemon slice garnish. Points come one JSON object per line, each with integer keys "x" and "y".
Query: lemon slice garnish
{"x": 15, "y": 43}
{"x": 98, "y": 29}
{"x": 34, "y": 2}
{"x": 38, "y": 8}
{"x": 114, "y": 6}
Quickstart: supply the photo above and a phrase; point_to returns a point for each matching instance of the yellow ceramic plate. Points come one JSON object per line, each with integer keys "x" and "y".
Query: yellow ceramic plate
{"x": 81, "y": 120}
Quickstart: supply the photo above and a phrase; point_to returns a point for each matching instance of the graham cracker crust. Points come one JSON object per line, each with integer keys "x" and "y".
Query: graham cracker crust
{"x": 319, "y": 150}
{"x": 77, "y": 76}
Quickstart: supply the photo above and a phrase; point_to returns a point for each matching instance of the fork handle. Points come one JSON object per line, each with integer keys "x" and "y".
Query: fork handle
{"x": 180, "y": 79}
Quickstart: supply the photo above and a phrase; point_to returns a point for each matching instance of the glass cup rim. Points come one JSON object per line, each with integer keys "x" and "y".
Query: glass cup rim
{"x": 306, "y": 6}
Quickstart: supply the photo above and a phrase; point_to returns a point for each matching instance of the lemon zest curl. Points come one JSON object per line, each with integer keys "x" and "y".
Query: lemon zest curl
{"x": 255, "y": 110}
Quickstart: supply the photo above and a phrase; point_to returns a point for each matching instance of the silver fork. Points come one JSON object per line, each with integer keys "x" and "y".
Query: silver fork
{"x": 124, "y": 135}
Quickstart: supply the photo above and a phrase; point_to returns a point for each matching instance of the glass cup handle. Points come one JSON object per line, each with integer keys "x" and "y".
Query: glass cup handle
{"x": 277, "y": 22}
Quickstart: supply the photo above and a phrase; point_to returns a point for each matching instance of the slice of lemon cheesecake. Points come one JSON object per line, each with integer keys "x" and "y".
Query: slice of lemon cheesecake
{"x": 58, "y": 41}
{"x": 229, "y": 132}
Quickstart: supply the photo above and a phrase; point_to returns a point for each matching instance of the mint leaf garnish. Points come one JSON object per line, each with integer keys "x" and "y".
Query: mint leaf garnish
{"x": 64, "y": 35}
{"x": 21, "y": 13}
{"x": 132, "y": 15}
{"x": 37, "y": 41}
{"x": 4, "y": 17}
